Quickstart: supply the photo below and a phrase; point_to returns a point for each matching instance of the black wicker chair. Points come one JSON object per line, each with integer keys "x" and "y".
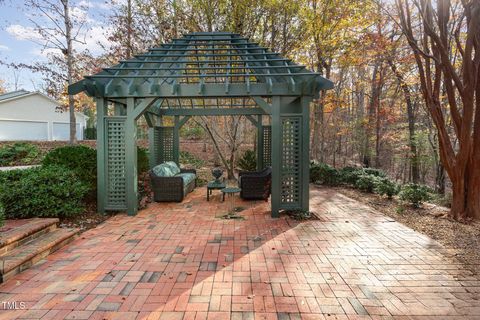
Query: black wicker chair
{"x": 255, "y": 185}
{"x": 166, "y": 189}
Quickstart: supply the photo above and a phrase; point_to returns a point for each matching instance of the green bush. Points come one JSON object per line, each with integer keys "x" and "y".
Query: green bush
{"x": 366, "y": 182}
{"x": 248, "y": 161}
{"x": 415, "y": 194}
{"x": 142, "y": 160}
{"x": 2, "y": 215}
{"x": 188, "y": 158}
{"x": 19, "y": 153}
{"x": 50, "y": 191}
{"x": 375, "y": 172}
{"x": 385, "y": 187}
{"x": 350, "y": 175}
{"x": 80, "y": 159}
{"x": 322, "y": 173}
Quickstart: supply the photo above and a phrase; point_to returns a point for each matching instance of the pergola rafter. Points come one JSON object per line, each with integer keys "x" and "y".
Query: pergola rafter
{"x": 203, "y": 74}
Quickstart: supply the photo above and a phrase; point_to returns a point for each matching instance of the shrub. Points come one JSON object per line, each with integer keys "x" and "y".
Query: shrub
{"x": 375, "y": 172}
{"x": 366, "y": 182}
{"x": 80, "y": 159}
{"x": 18, "y": 153}
{"x": 188, "y": 158}
{"x": 248, "y": 161}
{"x": 51, "y": 191}
{"x": 415, "y": 194}
{"x": 322, "y": 173}
{"x": 350, "y": 175}
{"x": 386, "y": 187}
{"x": 142, "y": 160}
{"x": 2, "y": 215}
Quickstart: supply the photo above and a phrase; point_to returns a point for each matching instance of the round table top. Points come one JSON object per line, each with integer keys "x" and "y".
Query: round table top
{"x": 216, "y": 184}
{"x": 231, "y": 190}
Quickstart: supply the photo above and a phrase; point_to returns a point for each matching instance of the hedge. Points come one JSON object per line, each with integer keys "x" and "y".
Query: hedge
{"x": 51, "y": 191}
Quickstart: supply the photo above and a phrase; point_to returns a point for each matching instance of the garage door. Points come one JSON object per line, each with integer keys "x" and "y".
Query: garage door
{"x": 23, "y": 130}
{"x": 61, "y": 131}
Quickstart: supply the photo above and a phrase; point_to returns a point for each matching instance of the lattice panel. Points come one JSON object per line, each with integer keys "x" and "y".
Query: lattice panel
{"x": 156, "y": 143}
{"x": 115, "y": 164}
{"x": 267, "y": 146}
{"x": 291, "y": 162}
{"x": 166, "y": 144}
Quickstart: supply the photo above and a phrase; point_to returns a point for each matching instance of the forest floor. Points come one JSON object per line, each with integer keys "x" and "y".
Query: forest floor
{"x": 431, "y": 220}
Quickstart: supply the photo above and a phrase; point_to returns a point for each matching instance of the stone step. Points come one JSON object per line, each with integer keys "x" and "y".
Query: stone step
{"x": 22, "y": 231}
{"x": 26, "y": 255}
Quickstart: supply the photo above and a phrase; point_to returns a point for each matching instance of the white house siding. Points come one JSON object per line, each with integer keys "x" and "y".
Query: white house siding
{"x": 34, "y": 117}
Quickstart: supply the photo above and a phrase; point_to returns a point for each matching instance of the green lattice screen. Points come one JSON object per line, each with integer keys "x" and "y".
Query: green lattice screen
{"x": 156, "y": 146}
{"x": 115, "y": 163}
{"x": 291, "y": 162}
{"x": 267, "y": 146}
{"x": 165, "y": 144}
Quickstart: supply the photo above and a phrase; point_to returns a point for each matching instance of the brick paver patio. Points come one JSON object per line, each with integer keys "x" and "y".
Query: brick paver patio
{"x": 176, "y": 261}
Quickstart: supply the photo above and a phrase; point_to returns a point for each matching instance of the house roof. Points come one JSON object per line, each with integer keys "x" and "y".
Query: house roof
{"x": 201, "y": 59}
{"x": 13, "y": 94}
{"x": 24, "y": 93}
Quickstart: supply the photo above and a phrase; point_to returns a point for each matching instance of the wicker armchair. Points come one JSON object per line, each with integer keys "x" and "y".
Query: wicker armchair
{"x": 166, "y": 189}
{"x": 255, "y": 185}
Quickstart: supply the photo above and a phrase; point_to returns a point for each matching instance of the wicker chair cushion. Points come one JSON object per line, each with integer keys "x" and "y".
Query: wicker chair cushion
{"x": 187, "y": 177}
{"x": 163, "y": 170}
{"x": 173, "y": 167}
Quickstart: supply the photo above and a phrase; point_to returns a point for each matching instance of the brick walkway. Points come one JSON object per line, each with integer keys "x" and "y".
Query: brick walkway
{"x": 176, "y": 261}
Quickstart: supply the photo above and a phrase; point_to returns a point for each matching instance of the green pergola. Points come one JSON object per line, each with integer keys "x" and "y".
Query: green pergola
{"x": 203, "y": 74}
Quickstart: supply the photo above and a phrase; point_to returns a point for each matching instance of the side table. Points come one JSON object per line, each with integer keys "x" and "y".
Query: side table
{"x": 214, "y": 185}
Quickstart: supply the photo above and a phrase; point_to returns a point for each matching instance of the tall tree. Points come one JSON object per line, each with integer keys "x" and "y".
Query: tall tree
{"x": 57, "y": 30}
{"x": 446, "y": 46}
{"x": 331, "y": 27}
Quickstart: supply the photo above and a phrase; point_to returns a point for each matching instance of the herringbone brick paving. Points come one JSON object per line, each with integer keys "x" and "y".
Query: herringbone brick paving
{"x": 177, "y": 261}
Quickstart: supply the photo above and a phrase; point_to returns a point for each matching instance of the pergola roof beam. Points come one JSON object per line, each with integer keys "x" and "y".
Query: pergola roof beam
{"x": 198, "y": 49}
{"x": 203, "y": 55}
{"x": 204, "y": 75}
{"x": 212, "y": 68}
{"x": 212, "y": 112}
{"x": 193, "y": 66}
{"x": 199, "y": 106}
{"x": 193, "y": 62}
{"x": 155, "y": 84}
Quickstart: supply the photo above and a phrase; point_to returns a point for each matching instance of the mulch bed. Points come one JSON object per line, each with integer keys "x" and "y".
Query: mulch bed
{"x": 88, "y": 219}
{"x": 431, "y": 220}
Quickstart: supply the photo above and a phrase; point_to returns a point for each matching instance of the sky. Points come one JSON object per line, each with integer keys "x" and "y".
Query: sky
{"x": 19, "y": 41}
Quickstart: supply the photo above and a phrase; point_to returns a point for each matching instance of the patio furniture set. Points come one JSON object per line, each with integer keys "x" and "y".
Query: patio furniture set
{"x": 171, "y": 183}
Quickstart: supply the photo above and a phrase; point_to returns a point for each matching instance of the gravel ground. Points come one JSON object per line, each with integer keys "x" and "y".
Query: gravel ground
{"x": 431, "y": 220}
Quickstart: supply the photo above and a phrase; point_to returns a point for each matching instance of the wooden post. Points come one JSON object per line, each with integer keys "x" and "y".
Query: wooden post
{"x": 305, "y": 156}
{"x": 131, "y": 159}
{"x": 260, "y": 160}
{"x": 276, "y": 157}
{"x": 152, "y": 148}
{"x": 118, "y": 109}
{"x": 176, "y": 140}
{"x": 101, "y": 147}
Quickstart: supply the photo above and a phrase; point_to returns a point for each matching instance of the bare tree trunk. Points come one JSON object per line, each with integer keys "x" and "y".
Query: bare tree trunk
{"x": 129, "y": 30}
{"x": 69, "y": 56}
{"x": 415, "y": 175}
{"x": 367, "y": 154}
